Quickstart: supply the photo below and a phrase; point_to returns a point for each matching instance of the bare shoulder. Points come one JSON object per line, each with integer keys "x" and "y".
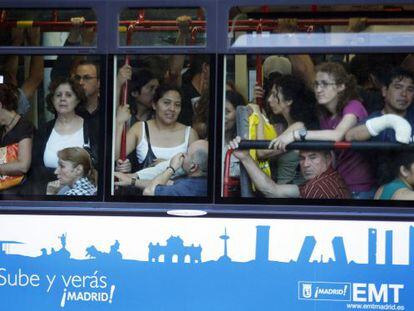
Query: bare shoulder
{"x": 403, "y": 194}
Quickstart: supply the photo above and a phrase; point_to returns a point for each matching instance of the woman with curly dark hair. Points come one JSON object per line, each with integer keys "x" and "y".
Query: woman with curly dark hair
{"x": 16, "y": 134}
{"x": 290, "y": 99}
{"x": 339, "y": 110}
{"x": 66, "y": 99}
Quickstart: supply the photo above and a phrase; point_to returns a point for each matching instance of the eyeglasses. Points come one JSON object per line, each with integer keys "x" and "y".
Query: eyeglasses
{"x": 84, "y": 78}
{"x": 322, "y": 84}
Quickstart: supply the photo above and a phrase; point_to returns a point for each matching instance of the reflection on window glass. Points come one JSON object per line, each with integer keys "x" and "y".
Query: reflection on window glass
{"x": 306, "y": 107}
{"x": 50, "y": 122}
{"x": 163, "y": 112}
{"x": 48, "y": 27}
{"x": 318, "y": 26}
{"x": 163, "y": 26}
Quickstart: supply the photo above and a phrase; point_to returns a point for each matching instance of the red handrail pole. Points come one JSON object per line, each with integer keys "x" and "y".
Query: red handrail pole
{"x": 226, "y": 177}
{"x": 124, "y": 101}
{"x": 259, "y": 74}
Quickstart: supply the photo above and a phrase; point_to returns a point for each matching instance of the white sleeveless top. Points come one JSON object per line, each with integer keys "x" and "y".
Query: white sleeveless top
{"x": 57, "y": 142}
{"x": 160, "y": 152}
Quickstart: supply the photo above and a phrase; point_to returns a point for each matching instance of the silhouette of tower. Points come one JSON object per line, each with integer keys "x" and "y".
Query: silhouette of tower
{"x": 372, "y": 246}
{"x": 262, "y": 243}
{"x": 339, "y": 250}
{"x": 225, "y": 237}
{"x": 411, "y": 247}
{"x": 307, "y": 249}
{"x": 388, "y": 247}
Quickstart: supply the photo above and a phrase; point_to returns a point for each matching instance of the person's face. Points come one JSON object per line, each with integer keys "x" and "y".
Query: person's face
{"x": 230, "y": 116}
{"x": 313, "y": 163}
{"x": 168, "y": 107}
{"x": 146, "y": 95}
{"x": 326, "y": 89}
{"x": 66, "y": 173}
{"x": 408, "y": 174}
{"x": 86, "y": 75}
{"x": 277, "y": 101}
{"x": 398, "y": 96}
{"x": 64, "y": 99}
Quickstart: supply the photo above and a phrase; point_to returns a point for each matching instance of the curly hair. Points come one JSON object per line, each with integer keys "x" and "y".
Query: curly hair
{"x": 303, "y": 107}
{"x": 76, "y": 88}
{"x": 340, "y": 76}
{"x": 8, "y": 97}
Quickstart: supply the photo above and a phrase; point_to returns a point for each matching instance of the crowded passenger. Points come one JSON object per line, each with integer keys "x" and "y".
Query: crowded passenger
{"x": 194, "y": 82}
{"x": 398, "y": 94}
{"x": 400, "y": 183}
{"x": 28, "y": 87}
{"x": 75, "y": 173}
{"x": 158, "y": 139}
{"x": 321, "y": 180}
{"x": 16, "y": 135}
{"x": 291, "y": 100}
{"x": 194, "y": 183}
{"x": 339, "y": 110}
{"x": 66, "y": 97}
{"x": 233, "y": 100}
{"x": 142, "y": 85}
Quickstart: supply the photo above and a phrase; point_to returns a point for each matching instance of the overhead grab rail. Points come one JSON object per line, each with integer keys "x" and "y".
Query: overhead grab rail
{"x": 229, "y": 182}
{"x": 171, "y": 25}
{"x": 329, "y": 145}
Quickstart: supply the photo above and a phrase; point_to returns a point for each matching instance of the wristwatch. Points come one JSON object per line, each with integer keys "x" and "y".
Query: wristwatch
{"x": 302, "y": 134}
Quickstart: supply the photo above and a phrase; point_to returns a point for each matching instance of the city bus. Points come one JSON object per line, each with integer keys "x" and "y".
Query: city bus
{"x": 206, "y": 155}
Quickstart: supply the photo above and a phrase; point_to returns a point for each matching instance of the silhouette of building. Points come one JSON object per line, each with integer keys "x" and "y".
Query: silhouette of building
{"x": 262, "y": 243}
{"x": 307, "y": 249}
{"x": 225, "y": 257}
{"x": 388, "y": 247}
{"x": 372, "y": 246}
{"x": 174, "y": 252}
{"x": 410, "y": 246}
{"x": 339, "y": 250}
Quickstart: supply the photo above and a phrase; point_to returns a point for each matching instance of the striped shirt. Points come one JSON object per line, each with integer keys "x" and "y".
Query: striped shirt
{"x": 328, "y": 185}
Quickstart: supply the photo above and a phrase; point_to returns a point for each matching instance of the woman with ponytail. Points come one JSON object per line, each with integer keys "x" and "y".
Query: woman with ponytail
{"x": 339, "y": 110}
{"x": 75, "y": 173}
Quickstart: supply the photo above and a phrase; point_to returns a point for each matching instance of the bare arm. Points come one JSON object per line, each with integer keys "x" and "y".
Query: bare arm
{"x": 133, "y": 134}
{"x": 126, "y": 180}
{"x": 358, "y": 133}
{"x": 266, "y": 185}
{"x": 177, "y": 61}
{"x": 262, "y": 182}
{"x": 337, "y": 134}
{"x": 403, "y": 194}
{"x": 163, "y": 178}
{"x": 193, "y": 136}
{"x": 22, "y": 165}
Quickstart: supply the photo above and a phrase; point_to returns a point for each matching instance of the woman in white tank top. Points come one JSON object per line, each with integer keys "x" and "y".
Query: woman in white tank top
{"x": 167, "y": 136}
{"x": 65, "y": 95}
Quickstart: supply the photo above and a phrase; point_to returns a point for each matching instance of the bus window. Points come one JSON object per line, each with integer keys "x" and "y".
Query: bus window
{"x": 321, "y": 26}
{"x": 161, "y": 126}
{"x": 159, "y": 27}
{"x": 340, "y": 126}
{"x": 69, "y": 27}
{"x": 51, "y": 123}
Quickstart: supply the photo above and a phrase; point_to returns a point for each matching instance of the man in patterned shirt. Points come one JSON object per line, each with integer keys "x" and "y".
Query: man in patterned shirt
{"x": 322, "y": 181}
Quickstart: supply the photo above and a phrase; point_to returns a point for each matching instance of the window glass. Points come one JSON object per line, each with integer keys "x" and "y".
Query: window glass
{"x": 161, "y": 126}
{"x": 321, "y": 26}
{"x": 51, "y": 120}
{"x": 48, "y": 27}
{"x": 163, "y": 27}
{"x": 340, "y": 126}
